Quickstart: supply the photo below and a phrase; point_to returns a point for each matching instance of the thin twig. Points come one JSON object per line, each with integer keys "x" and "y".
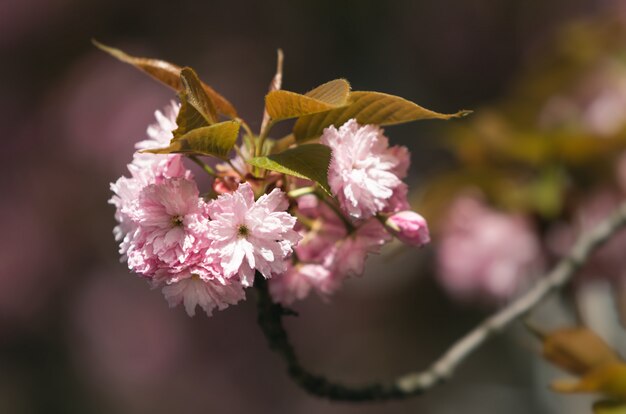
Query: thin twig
{"x": 270, "y": 320}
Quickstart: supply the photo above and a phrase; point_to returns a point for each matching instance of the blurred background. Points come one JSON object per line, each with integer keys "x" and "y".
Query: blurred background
{"x": 538, "y": 161}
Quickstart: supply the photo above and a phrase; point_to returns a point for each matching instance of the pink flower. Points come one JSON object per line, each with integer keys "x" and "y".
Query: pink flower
{"x": 330, "y": 243}
{"x": 146, "y": 169}
{"x": 192, "y": 290}
{"x": 249, "y": 235}
{"x": 364, "y": 171}
{"x": 409, "y": 227}
{"x": 348, "y": 255}
{"x": 486, "y": 253}
{"x": 299, "y": 280}
{"x": 608, "y": 262}
{"x": 171, "y": 226}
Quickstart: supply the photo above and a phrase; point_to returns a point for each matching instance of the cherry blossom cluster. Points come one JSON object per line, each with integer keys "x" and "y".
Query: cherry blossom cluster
{"x": 205, "y": 249}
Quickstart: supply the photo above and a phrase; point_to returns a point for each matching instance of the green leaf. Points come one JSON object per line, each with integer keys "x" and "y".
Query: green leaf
{"x": 367, "y": 108}
{"x": 609, "y": 407}
{"x": 169, "y": 74}
{"x": 305, "y": 161}
{"x": 335, "y": 92}
{"x": 216, "y": 140}
{"x": 284, "y": 104}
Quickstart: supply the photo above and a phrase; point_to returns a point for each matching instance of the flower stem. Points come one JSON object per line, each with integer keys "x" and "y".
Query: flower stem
{"x": 207, "y": 168}
{"x": 346, "y": 221}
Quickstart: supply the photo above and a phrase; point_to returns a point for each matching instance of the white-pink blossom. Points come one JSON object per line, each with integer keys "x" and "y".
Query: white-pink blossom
{"x": 410, "y": 227}
{"x": 248, "y": 235}
{"x": 364, "y": 171}
{"x": 192, "y": 290}
{"x": 484, "y": 253}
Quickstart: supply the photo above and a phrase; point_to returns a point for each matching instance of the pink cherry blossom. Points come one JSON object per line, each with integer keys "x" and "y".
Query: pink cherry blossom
{"x": 299, "y": 280}
{"x": 409, "y": 227}
{"x": 249, "y": 235}
{"x": 485, "y": 253}
{"x": 608, "y": 262}
{"x": 364, "y": 171}
{"x": 171, "y": 226}
{"x": 348, "y": 257}
{"x": 146, "y": 169}
{"x": 329, "y": 242}
{"x": 192, "y": 290}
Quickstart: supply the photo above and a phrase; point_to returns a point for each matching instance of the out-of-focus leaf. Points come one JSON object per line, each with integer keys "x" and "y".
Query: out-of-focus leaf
{"x": 609, "y": 407}
{"x": 577, "y": 350}
{"x": 216, "y": 140}
{"x": 335, "y": 92}
{"x": 305, "y": 161}
{"x": 169, "y": 74}
{"x": 367, "y": 108}
{"x": 276, "y": 84}
{"x": 608, "y": 379}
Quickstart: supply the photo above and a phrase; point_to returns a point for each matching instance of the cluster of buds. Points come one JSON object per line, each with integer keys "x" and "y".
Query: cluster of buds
{"x": 303, "y": 216}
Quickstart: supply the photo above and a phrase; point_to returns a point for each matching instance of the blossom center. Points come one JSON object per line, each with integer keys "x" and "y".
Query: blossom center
{"x": 177, "y": 221}
{"x": 242, "y": 231}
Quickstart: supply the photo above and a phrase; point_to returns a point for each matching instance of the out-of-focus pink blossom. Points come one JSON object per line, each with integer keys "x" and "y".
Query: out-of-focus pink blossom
{"x": 484, "y": 253}
{"x": 193, "y": 290}
{"x": 364, "y": 171}
{"x": 609, "y": 261}
{"x": 249, "y": 235}
{"x": 299, "y": 280}
{"x": 409, "y": 227}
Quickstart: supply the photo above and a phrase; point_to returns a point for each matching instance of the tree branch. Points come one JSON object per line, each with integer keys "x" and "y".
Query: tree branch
{"x": 270, "y": 320}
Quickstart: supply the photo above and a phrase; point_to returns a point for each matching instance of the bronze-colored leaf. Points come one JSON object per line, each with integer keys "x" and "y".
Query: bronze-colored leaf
{"x": 188, "y": 118}
{"x": 197, "y": 96}
{"x": 335, "y": 92}
{"x": 284, "y": 105}
{"x": 169, "y": 74}
{"x": 608, "y": 379}
{"x": 577, "y": 350}
{"x": 216, "y": 140}
{"x": 367, "y": 108}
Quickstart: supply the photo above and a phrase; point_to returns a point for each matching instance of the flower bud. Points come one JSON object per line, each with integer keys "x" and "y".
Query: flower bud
{"x": 409, "y": 227}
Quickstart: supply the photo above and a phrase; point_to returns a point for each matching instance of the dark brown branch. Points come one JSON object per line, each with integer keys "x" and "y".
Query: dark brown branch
{"x": 270, "y": 320}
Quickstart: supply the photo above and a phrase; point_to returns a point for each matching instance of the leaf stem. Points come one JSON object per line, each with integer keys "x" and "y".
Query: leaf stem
{"x": 346, "y": 221}
{"x": 270, "y": 320}
{"x": 263, "y": 135}
{"x": 299, "y": 192}
{"x": 235, "y": 169}
{"x": 207, "y": 168}
{"x": 245, "y": 126}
